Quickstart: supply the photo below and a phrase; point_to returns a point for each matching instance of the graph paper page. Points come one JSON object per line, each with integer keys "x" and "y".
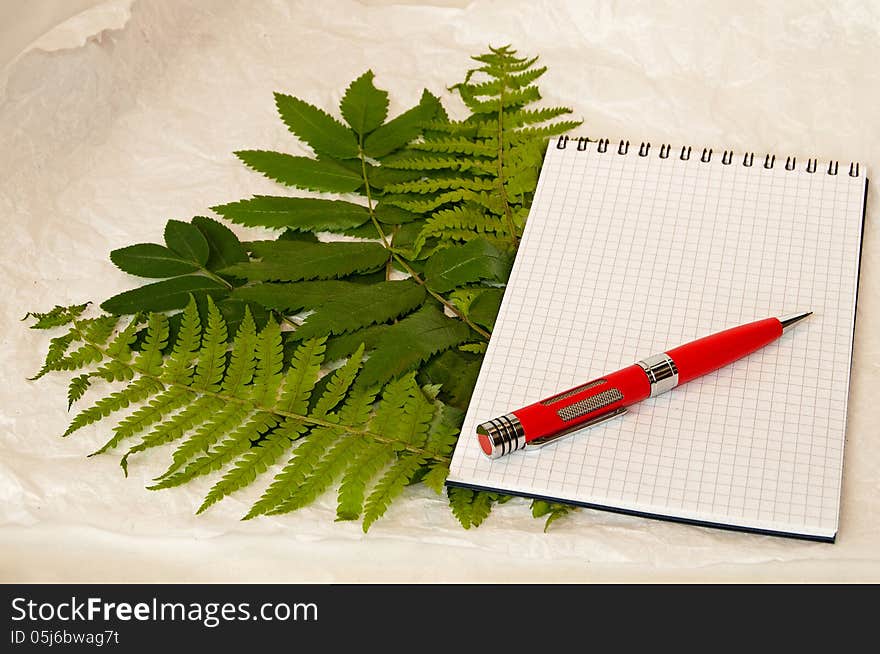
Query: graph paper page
{"x": 625, "y": 256}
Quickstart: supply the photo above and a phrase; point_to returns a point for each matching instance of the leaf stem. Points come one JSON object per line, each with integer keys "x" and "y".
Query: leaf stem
{"x": 254, "y": 406}
{"x": 400, "y": 260}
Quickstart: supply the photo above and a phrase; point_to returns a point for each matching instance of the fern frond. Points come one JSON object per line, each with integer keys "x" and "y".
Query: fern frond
{"x": 301, "y": 376}
{"x": 254, "y": 462}
{"x": 169, "y": 399}
{"x": 470, "y": 507}
{"x": 552, "y": 510}
{"x": 77, "y": 388}
{"x": 442, "y": 183}
{"x": 457, "y": 146}
{"x": 389, "y": 486}
{"x": 58, "y": 316}
{"x": 305, "y": 458}
{"x": 364, "y": 467}
{"x": 339, "y": 384}
{"x": 135, "y": 392}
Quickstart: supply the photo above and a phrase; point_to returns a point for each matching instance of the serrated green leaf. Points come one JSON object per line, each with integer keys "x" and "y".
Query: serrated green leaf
{"x": 292, "y": 261}
{"x": 224, "y": 248}
{"x": 57, "y": 316}
{"x": 302, "y": 172}
{"x": 456, "y": 372}
{"x": 187, "y": 241}
{"x": 390, "y": 215}
{"x": 399, "y": 131}
{"x": 474, "y": 261}
{"x": 301, "y": 214}
{"x": 360, "y": 306}
{"x": 484, "y": 308}
{"x": 316, "y": 127}
{"x": 363, "y": 106}
{"x": 166, "y": 295}
{"x": 388, "y": 487}
{"x": 152, "y": 260}
{"x": 406, "y": 344}
{"x": 292, "y": 297}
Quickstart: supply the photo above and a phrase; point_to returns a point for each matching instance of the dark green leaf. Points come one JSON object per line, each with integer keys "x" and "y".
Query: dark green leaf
{"x": 233, "y": 310}
{"x": 391, "y": 215}
{"x": 339, "y": 347}
{"x": 484, "y": 309}
{"x": 316, "y": 127}
{"x": 223, "y": 245}
{"x": 151, "y": 260}
{"x": 292, "y": 297}
{"x": 163, "y": 296}
{"x": 458, "y": 265}
{"x": 406, "y": 344}
{"x": 303, "y": 172}
{"x": 187, "y": 241}
{"x": 399, "y": 131}
{"x": 363, "y": 106}
{"x": 456, "y": 372}
{"x": 362, "y": 305}
{"x": 301, "y": 237}
{"x": 302, "y": 214}
{"x": 290, "y": 261}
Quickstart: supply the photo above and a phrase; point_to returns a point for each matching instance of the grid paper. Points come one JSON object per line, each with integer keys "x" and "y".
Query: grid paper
{"x": 625, "y": 256}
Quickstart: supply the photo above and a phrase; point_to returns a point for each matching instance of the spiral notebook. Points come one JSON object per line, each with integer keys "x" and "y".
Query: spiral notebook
{"x": 630, "y": 251}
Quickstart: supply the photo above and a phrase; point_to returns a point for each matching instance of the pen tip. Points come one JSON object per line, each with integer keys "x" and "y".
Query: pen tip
{"x": 792, "y": 319}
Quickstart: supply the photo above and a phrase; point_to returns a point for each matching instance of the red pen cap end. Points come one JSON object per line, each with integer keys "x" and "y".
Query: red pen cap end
{"x": 483, "y": 438}
{"x": 501, "y": 436}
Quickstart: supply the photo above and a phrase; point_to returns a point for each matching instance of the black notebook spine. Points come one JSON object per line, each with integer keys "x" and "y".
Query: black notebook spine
{"x": 604, "y": 146}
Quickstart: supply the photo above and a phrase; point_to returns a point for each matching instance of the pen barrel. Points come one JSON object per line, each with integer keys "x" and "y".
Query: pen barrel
{"x": 563, "y": 413}
{"x": 707, "y": 354}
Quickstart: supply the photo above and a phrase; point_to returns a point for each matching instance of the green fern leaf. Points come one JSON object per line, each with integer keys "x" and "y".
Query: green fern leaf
{"x": 135, "y": 392}
{"x": 77, "y": 388}
{"x": 254, "y": 462}
{"x": 305, "y": 364}
{"x": 269, "y": 361}
{"x": 305, "y": 458}
{"x": 238, "y": 442}
{"x": 58, "y": 316}
{"x": 166, "y": 401}
{"x": 470, "y": 507}
{"x": 388, "y": 487}
{"x": 457, "y": 146}
{"x": 363, "y": 468}
{"x": 178, "y": 367}
{"x": 302, "y": 172}
{"x": 200, "y": 442}
{"x": 301, "y": 214}
{"x": 323, "y": 474}
{"x": 294, "y": 261}
{"x": 363, "y": 106}
{"x": 316, "y": 127}
{"x": 441, "y": 183}
{"x": 435, "y": 478}
{"x": 340, "y": 383}
{"x": 212, "y": 355}
{"x": 552, "y": 510}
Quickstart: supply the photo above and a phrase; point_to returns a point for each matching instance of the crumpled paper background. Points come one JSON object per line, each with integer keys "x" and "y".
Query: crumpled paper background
{"x": 126, "y": 117}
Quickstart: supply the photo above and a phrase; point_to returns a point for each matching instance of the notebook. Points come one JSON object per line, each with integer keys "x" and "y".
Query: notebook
{"x": 633, "y": 250}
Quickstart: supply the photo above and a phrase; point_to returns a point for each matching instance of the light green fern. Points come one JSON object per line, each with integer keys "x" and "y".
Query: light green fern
{"x": 230, "y": 408}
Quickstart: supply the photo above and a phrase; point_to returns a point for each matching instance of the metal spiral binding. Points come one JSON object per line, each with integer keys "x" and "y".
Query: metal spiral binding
{"x": 664, "y": 150}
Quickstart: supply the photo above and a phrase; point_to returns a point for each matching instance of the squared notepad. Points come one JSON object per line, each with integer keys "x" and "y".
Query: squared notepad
{"x": 632, "y": 251}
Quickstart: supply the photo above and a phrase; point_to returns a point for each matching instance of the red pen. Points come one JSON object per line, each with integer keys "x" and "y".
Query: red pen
{"x": 599, "y": 400}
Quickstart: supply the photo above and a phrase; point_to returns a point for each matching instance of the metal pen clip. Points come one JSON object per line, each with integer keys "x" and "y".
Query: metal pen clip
{"x": 538, "y": 443}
